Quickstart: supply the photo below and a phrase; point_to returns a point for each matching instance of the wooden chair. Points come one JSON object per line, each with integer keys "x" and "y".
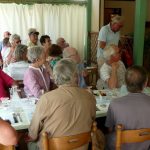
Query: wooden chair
{"x": 67, "y": 142}
{"x": 131, "y": 136}
{"x": 3, "y": 147}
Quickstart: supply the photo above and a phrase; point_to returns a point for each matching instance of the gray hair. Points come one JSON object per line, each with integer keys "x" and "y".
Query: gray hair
{"x": 116, "y": 19}
{"x": 20, "y": 51}
{"x": 64, "y": 71}
{"x": 67, "y": 50}
{"x": 136, "y": 78}
{"x": 34, "y": 53}
{"x": 109, "y": 50}
{"x": 14, "y": 37}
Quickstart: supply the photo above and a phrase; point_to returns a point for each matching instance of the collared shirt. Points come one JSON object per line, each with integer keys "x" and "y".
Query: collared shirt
{"x": 67, "y": 110}
{"x": 108, "y": 36}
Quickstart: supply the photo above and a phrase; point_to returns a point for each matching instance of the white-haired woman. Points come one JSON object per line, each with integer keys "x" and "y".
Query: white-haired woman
{"x": 17, "y": 69}
{"x": 14, "y": 41}
{"x": 37, "y": 78}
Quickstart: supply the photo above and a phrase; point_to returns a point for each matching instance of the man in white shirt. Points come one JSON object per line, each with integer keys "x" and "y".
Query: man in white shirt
{"x": 112, "y": 72}
{"x": 109, "y": 34}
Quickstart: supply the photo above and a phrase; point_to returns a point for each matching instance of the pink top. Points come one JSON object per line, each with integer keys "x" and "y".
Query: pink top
{"x": 5, "y": 83}
{"x": 36, "y": 81}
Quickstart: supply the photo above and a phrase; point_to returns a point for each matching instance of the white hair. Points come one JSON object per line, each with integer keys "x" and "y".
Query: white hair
{"x": 14, "y": 37}
{"x": 34, "y": 53}
{"x": 109, "y": 50}
{"x": 64, "y": 71}
{"x": 116, "y": 19}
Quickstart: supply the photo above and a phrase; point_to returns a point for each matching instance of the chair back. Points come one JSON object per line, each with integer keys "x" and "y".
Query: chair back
{"x": 68, "y": 142}
{"x": 3, "y": 147}
{"x": 131, "y": 136}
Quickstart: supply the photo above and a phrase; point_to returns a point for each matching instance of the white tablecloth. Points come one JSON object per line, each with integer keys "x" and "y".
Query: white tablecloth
{"x": 18, "y": 112}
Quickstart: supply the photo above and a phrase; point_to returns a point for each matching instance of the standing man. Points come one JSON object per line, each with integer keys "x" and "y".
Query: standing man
{"x": 109, "y": 34}
{"x": 132, "y": 110}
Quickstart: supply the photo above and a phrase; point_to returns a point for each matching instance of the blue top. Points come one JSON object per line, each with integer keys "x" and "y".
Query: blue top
{"x": 81, "y": 81}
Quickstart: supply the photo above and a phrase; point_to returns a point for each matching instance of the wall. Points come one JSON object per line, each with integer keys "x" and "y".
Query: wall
{"x": 128, "y": 10}
{"x": 95, "y": 15}
{"x": 148, "y": 10}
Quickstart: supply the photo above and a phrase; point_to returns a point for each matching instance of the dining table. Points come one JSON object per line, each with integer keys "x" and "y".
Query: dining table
{"x": 19, "y": 111}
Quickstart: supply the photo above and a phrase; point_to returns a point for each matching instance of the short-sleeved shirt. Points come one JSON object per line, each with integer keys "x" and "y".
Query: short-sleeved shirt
{"x": 108, "y": 36}
{"x": 105, "y": 73}
{"x": 5, "y": 83}
{"x": 132, "y": 111}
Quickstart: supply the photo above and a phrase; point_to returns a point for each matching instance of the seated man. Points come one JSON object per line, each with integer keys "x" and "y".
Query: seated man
{"x": 8, "y": 135}
{"x": 33, "y": 38}
{"x": 132, "y": 110}
{"x": 46, "y": 43}
{"x": 112, "y": 72}
{"x": 68, "y": 110}
{"x": 72, "y": 53}
{"x": 62, "y": 43}
{"x": 7, "y": 34}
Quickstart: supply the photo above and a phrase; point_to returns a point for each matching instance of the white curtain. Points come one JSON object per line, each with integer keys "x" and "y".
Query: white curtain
{"x": 68, "y": 21}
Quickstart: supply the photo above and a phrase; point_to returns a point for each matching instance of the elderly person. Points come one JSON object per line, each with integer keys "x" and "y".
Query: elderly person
{"x": 132, "y": 110}
{"x": 112, "y": 72}
{"x": 72, "y": 53}
{"x": 14, "y": 40}
{"x": 6, "y": 82}
{"x": 8, "y": 134}
{"x": 68, "y": 110}
{"x": 37, "y": 78}
{"x": 33, "y": 37}
{"x": 17, "y": 69}
{"x": 7, "y": 34}
{"x": 46, "y": 43}
{"x": 62, "y": 43}
{"x": 6, "y": 45}
{"x": 109, "y": 34}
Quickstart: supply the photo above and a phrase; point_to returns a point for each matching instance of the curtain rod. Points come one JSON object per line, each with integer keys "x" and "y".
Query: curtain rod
{"x": 45, "y": 1}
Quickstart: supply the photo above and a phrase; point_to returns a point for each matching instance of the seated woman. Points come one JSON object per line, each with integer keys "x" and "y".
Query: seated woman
{"x": 17, "y": 69}
{"x": 14, "y": 40}
{"x": 55, "y": 54}
{"x": 5, "y": 83}
{"x": 37, "y": 77}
